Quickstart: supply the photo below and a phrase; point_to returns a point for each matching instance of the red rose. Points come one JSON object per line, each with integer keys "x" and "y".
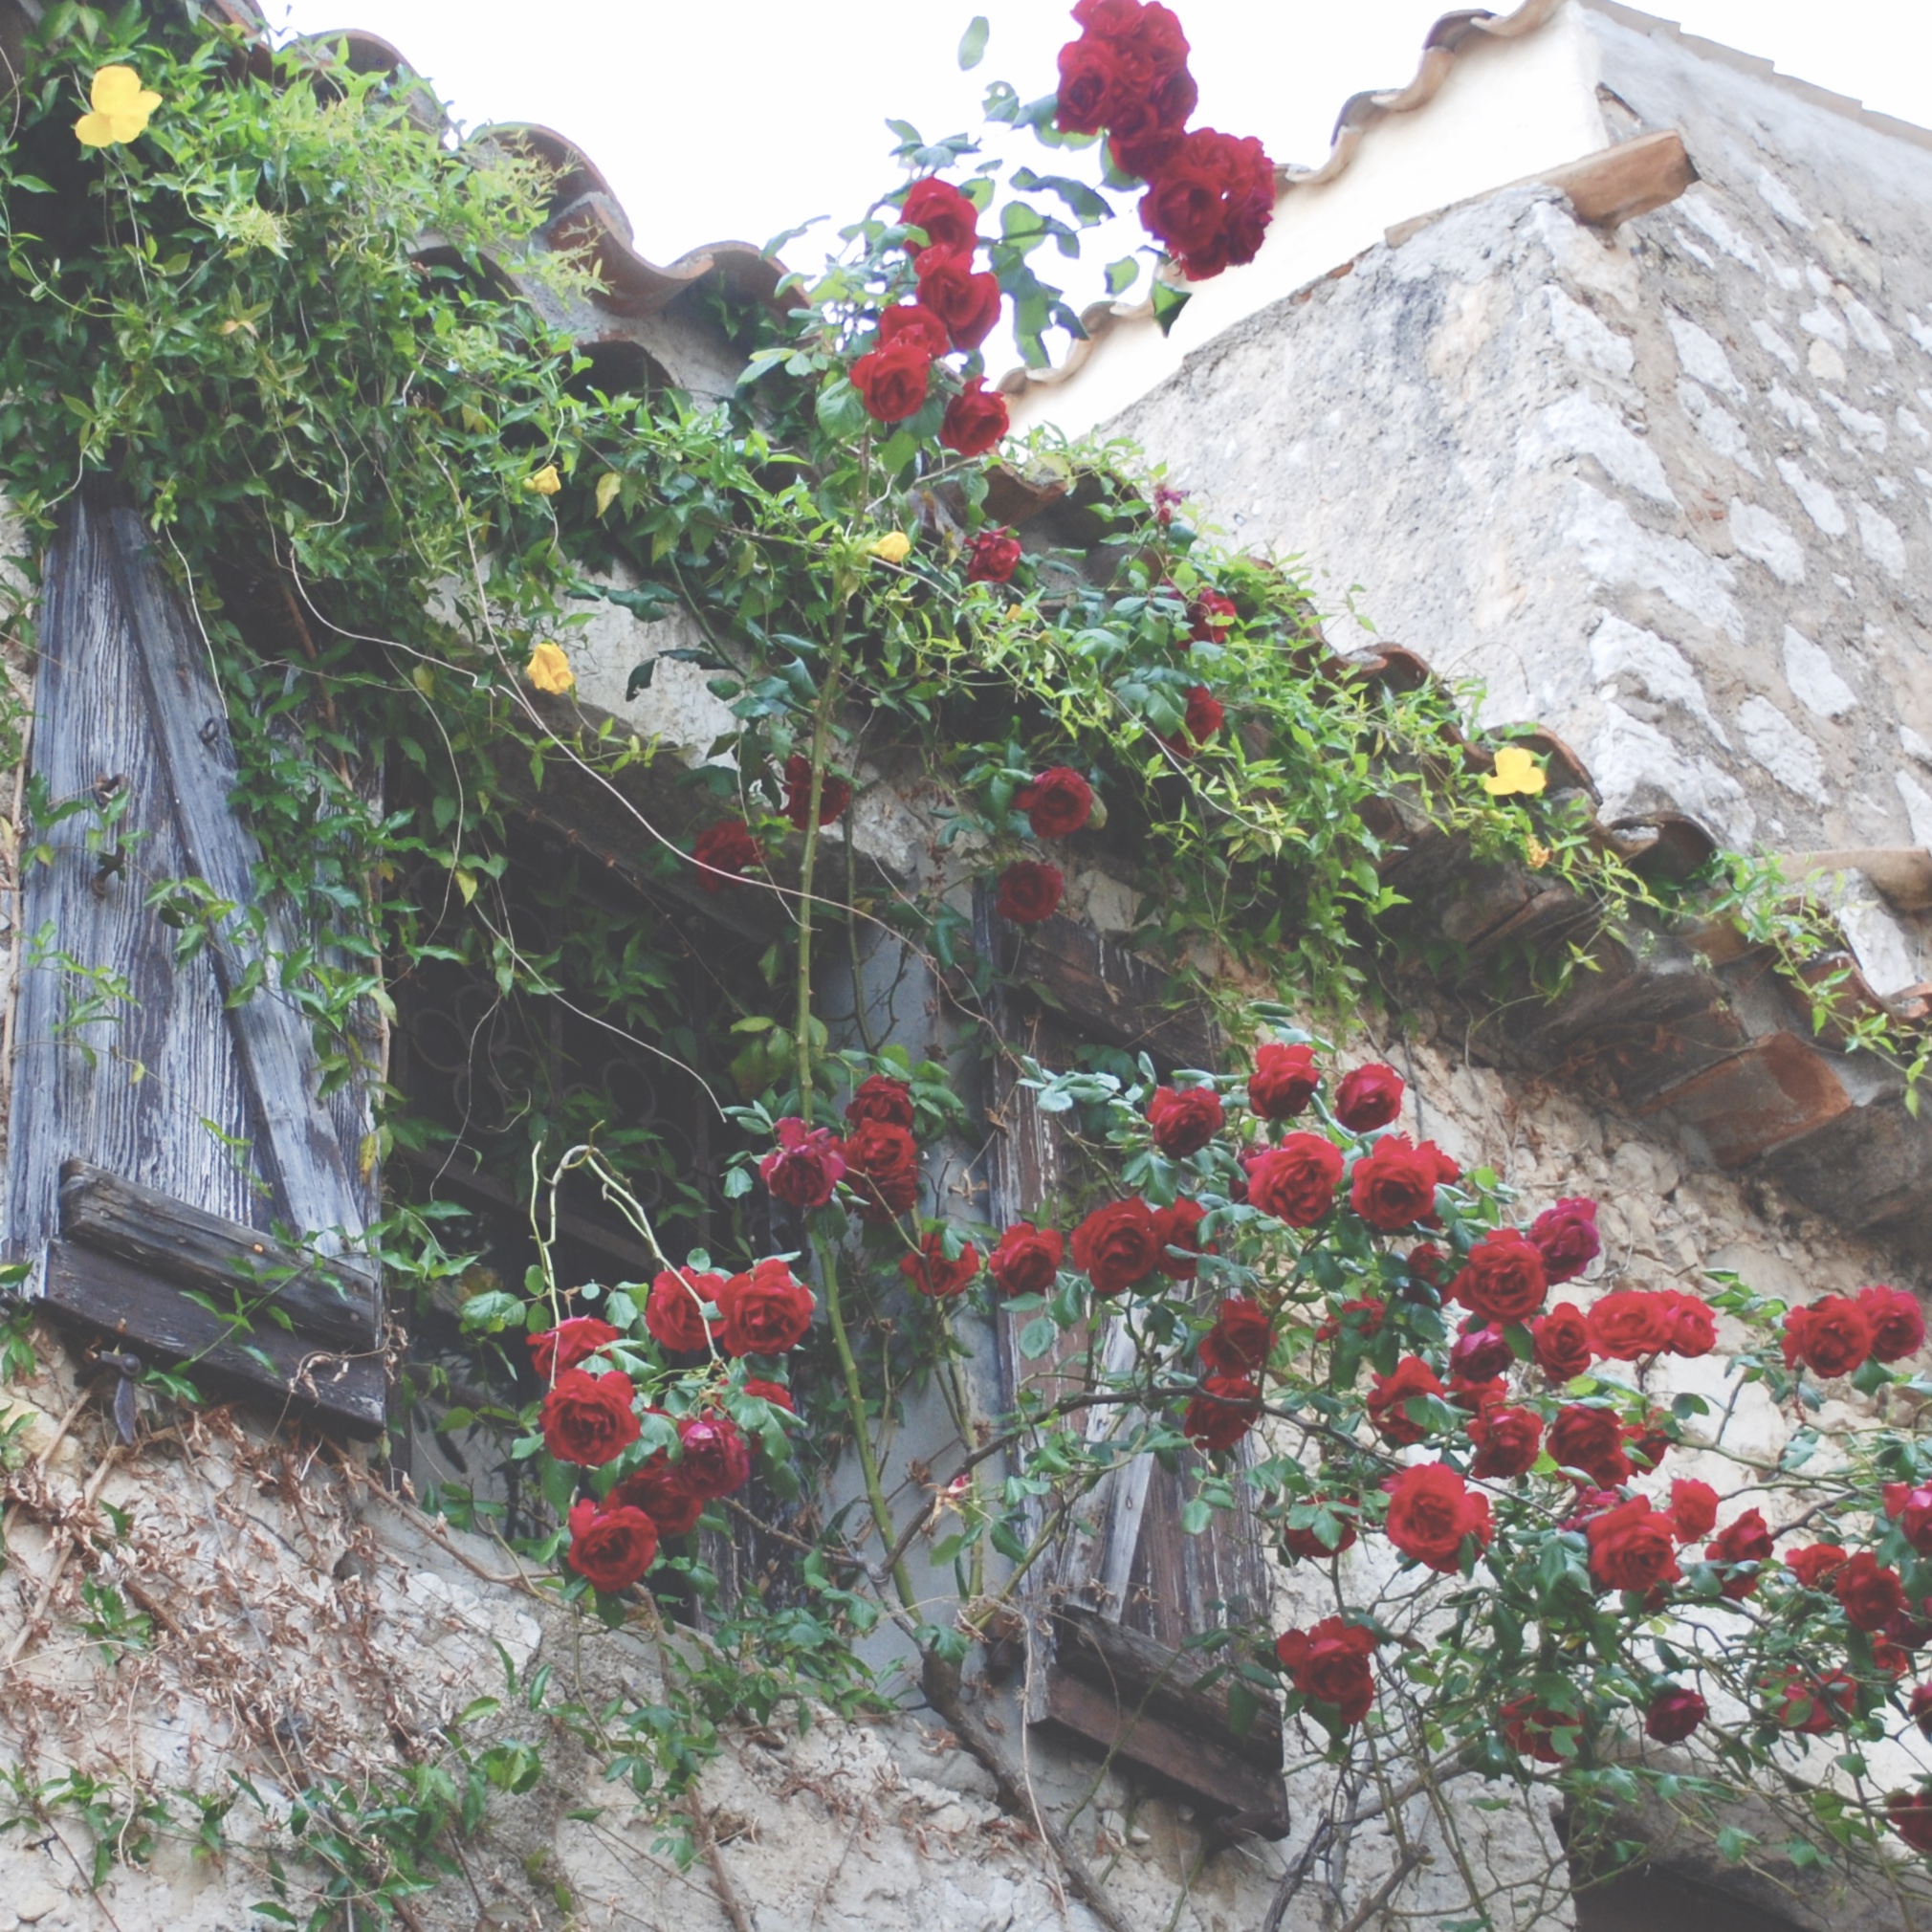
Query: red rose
{"x": 1090, "y": 80}
{"x": 1561, "y": 1339}
{"x": 882, "y": 1168}
{"x": 1693, "y": 1508}
{"x": 1361, "y": 1316}
{"x": 673, "y": 1314}
{"x": 716, "y": 1459}
{"x": 1204, "y": 718}
{"x": 1746, "y": 1541}
{"x": 1629, "y": 1323}
{"x": 1567, "y": 1237}
{"x": 1481, "y": 1352}
{"x": 1283, "y": 1081}
{"x": 1389, "y": 1400}
{"x": 1503, "y": 1279}
{"x": 1432, "y": 1512}
{"x": 835, "y": 794}
{"x": 1179, "y": 1227}
{"x": 1674, "y": 1714}
{"x": 1241, "y": 1340}
{"x": 947, "y": 217}
{"x": 1117, "y": 1245}
{"x": 613, "y": 1546}
{"x": 912, "y": 325}
{"x": 1477, "y": 1397}
{"x": 1910, "y": 1814}
{"x": 1056, "y": 804}
{"x": 1424, "y": 1264}
{"x": 1830, "y": 1336}
{"x": 1329, "y": 1664}
{"x": 1296, "y": 1181}
{"x": 879, "y": 1097}
{"x": 1909, "y": 1631}
{"x": 1694, "y": 1328}
{"x": 1919, "y": 1709}
{"x": 766, "y": 1312}
{"x": 774, "y": 1393}
{"x": 1533, "y": 1729}
{"x": 1897, "y": 1323}
{"x": 1147, "y": 128}
{"x": 1591, "y": 1440}
{"x": 723, "y": 851}
{"x": 570, "y": 1343}
{"x": 1026, "y": 1260}
{"x": 1212, "y": 201}
{"x": 1210, "y": 616}
{"x": 659, "y": 1490}
{"x": 992, "y": 556}
{"x": 1871, "y": 1594}
{"x": 1369, "y": 1097}
{"x": 974, "y": 420}
{"x": 1184, "y": 1122}
{"x": 967, "y": 303}
{"x": 1508, "y": 1443}
{"x": 1393, "y": 1185}
{"x": 1912, "y": 1509}
{"x": 930, "y": 1272}
{"x": 892, "y": 380}
{"x": 1813, "y": 1705}
{"x": 1632, "y": 1546}
{"x": 1029, "y": 893}
{"x": 1305, "y": 1542}
{"x": 1224, "y": 1411}
{"x": 1814, "y": 1565}
{"x": 807, "y": 1165}
{"x": 590, "y": 1419}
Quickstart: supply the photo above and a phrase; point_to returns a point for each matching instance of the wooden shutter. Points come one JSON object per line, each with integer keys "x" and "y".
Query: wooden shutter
{"x": 166, "y": 1121}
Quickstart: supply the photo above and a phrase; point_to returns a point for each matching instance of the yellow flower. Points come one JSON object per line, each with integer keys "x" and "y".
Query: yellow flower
{"x": 1516, "y": 771}
{"x": 895, "y": 547}
{"x": 121, "y": 106}
{"x": 550, "y": 670}
{"x": 1539, "y": 855}
{"x": 546, "y": 482}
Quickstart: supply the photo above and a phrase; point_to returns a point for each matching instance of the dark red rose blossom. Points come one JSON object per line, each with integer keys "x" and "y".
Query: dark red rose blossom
{"x": 774, "y": 1393}
{"x": 1147, "y": 129}
{"x": 723, "y": 851}
{"x": 1029, "y": 892}
{"x": 1478, "y": 1398}
{"x": 1909, "y": 1814}
{"x": 1693, "y": 1508}
{"x": 611, "y": 1545}
{"x": 947, "y": 217}
{"x": 1675, "y": 1713}
{"x": 1533, "y": 1729}
{"x": 1424, "y": 1264}
{"x": 1746, "y": 1541}
{"x": 1210, "y": 616}
{"x": 1107, "y": 19}
{"x": 1283, "y": 1081}
{"x": 570, "y": 1343}
{"x": 1184, "y": 1121}
{"x": 590, "y": 1419}
{"x": 806, "y": 1166}
{"x": 1224, "y": 1411}
{"x": 1431, "y": 1513}
{"x": 881, "y": 1098}
{"x": 992, "y": 556}
{"x": 931, "y": 1272}
{"x": 1305, "y": 1544}
{"x": 892, "y": 380}
{"x": 882, "y": 1168}
{"x": 716, "y": 1459}
{"x": 1912, "y": 1510}
{"x": 659, "y": 1490}
{"x": 1360, "y": 1315}
{"x": 1897, "y": 1322}
{"x": 1694, "y": 1327}
{"x": 1508, "y": 1443}
{"x": 1814, "y": 1565}
{"x": 1212, "y": 201}
{"x": 1481, "y": 1352}
{"x": 1871, "y": 1594}
{"x": 1590, "y": 1440}
{"x": 1629, "y": 1324}
{"x": 1567, "y": 1237}
{"x": 912, "y": 325}
{"x": 1503, "y": 1279}
{"x": 1117, "y": 1245}
{"x": 1813, "y": 1705}
{"x": 1056, "y": 804}
{"x": 1393, "y": 1184}
{"x": 1329, "y": 1664}
{"x": 1296, "y": 1181}
{"x": 765, "y": 1311}
{"x": 974, "y": 420}
{"x": 1026, "y": 1260}
{"x": 835, "y": 793}
{"x": 1561, "y": 1339}
{"x": 966, "y": 302}
{"x": 1090, "y": 80}
{"x": 1178, "y": 1227}
{"x": 1919, "y": 1709}
{"x": 1369, "y": 1097}
{"x": 671, "y": 1311}
{"x": 1832, "y": 1336}
{"x": 1204, "y": 718}
{"x": 1388, "y": 1404}
{"x": 1241, "y": 1340}
{"x": 1632, "y": 1546}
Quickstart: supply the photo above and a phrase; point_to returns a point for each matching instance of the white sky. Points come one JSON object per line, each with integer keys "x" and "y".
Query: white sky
{"x": 739, "y": 119}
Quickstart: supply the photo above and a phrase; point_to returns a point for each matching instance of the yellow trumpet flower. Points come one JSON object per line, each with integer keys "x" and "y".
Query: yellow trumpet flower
{"x": 121, "y": 107}
{"x": 550, "y": 670}
{"x": 1516, "y": 771}
{"x": 895, "y": 547}
{"x": 546, "y": 482}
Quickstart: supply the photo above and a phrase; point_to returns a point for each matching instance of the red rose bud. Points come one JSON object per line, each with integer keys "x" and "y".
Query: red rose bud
{"x": 716, "y": 1459}
{"x": 774, "y": 1393}
{"x": 1813, "y": 1705}
{"x": 1745, "y": 1542}
{"x": 1895, "y": 1321}
{"x": 612, "y": 1546}
{"x": 590, "y": 1419}
{"x": 1816, "y": 1564}
{"x": 893, "y": 381}
{"x": 1432, "y": 1513}
{"x": 766, "y": 1312}
{"x": 1224, "y": 1411}
{"x": 930, "y": 1272}
{"x": 1369, "y": 1097}
{"x": 1296, "y": 1181}
{"x": 1872, "y": 1595}
{"x": 1503, "y": 1279}
{"x": 1184, "y": 1122}
{"x": 1693, "y": 1508}
{"x": 1211, "y": 203}
{"x": 1305, "y": 1544}
{"x": 1329, "y": 1664}
{"x": 659, "y": 1490}
{"x": 1027, "y": 1259}
{"x": 835, "y": 794}
{"x": 992, "y": 556}
{"x": 1507, "y": 1443}
{"x": 1632, "y": 1546}
{"x": 1283, "y": 1081}
{"x": 1388, "y": 1404}
{"x": 880, "y": 1098}
{"x": 1210, "y": 616}
{"x": 808, "y": 1164}
{"x": 947, "y": 217}
{"x": 1117, "y": 1245}
{"x": 1203, "y": 719}
{"x": 1393, "y": 1184}
{"x": 723, "y": 851}
{"x": 974, "y": 420}
{"x": 673, "y": 1313}
{"x": 570, "y": 1343}
{"x": 913, "y": 326}
{"x": 1056, "y": 804}
{"x": 1568, "y": 1238}
{"x": 1832, "y": 1336}
{"x": 1361, "y": 1315}
{"x": 1561, "y": 1339}
{"x": 967, "y": 303}
{"x": 1178, "y": 1227}
{"x": 1481, "y": 1352}
{"x": 1531, "y": 1728}
{"x": 1674, "y": 1714}
{"x": 1029, "y": 893}
{"x": 882, "y": 1169}
{"x": 1241, "y": 1340}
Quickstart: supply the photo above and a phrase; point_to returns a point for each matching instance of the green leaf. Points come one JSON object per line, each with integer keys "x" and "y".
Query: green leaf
{"x": 639, "y": 677}
{"x": 1037, "y": 1337}
{"x": 1168, "y": 303}
{"x": 972, "y": 43}
{"x": 1196, "y": 1517}
{"x": 1121, "y": 275}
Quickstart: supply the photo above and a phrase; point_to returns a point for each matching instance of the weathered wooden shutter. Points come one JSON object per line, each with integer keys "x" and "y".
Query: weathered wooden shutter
{"x": 166, "y": 1122}
{"x": 1122, "y": 1601}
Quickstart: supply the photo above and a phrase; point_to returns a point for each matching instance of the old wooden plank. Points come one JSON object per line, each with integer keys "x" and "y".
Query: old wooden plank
{"x": 153, "y": 1317}
{"x": 1113, "y": 994}
{"x": 336, "y": 1304}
